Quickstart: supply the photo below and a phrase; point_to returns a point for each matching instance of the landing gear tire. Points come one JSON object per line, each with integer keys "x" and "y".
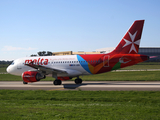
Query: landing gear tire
{"x": 44, "y": 77}
{"x": 25, "y": 82}
{"x": 57, "y": 82}
{"x": 78, "y": 81}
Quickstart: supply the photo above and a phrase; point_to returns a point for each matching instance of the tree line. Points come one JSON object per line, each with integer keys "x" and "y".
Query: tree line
{"x": 5, "y": 62}
{"x": 42, "y": 53}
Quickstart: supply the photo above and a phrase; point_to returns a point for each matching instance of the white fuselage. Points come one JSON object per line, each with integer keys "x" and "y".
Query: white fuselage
{"x": 68, "y": 63}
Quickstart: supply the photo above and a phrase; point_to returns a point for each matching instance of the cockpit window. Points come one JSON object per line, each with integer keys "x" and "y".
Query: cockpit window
{"x": 12, "y": 63}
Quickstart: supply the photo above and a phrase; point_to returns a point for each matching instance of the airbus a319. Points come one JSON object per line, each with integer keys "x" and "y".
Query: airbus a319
{"x": 33, "y": 69}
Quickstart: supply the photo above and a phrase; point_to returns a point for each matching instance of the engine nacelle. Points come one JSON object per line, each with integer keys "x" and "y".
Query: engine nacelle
{"x": 32, "y": 76}
{"x": 64, "y": 78}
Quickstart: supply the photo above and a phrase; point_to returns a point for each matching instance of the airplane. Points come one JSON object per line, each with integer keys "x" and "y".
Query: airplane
{"x": 66, "y": 67}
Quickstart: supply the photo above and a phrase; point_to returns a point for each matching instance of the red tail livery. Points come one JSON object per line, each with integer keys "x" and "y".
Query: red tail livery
{"x": 131, "y": 40}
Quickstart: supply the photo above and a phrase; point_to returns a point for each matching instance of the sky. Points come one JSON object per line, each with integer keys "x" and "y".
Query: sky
{"x": 30, "y": 26}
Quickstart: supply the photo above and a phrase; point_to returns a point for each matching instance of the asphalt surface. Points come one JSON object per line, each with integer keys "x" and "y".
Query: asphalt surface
{"x": 86, "y": 85}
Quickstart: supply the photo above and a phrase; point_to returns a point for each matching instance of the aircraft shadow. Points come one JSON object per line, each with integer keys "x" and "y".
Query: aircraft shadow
{"x": 118, "y": 83}
{"x": 74, "y": 86}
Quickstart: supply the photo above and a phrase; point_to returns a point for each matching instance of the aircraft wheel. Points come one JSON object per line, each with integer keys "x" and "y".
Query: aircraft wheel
{"x": 44, "y": 77}
{"x": 78, "y": 81}
{"x": 25, "y": 82}
{"x": 57, "y": 82}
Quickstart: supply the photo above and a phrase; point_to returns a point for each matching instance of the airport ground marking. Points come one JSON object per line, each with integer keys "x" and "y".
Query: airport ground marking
{"x": 56, "y": 89}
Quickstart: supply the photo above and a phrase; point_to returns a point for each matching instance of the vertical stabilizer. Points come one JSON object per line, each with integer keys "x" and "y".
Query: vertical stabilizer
{"x": 131, "y": 40}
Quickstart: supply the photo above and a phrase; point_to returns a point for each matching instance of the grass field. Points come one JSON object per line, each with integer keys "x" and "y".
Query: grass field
{"x": 116, "y": 76}
{"x": 79, "y": 105}
{"x": 3, "y": 68}
{"x": 142, "y": 67}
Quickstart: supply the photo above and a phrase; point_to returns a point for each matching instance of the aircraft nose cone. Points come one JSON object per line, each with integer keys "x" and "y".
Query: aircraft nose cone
{"x": 10, "y": 70}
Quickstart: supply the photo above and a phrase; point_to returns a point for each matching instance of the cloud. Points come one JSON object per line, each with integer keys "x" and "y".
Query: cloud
{"x": 11, "y": 48}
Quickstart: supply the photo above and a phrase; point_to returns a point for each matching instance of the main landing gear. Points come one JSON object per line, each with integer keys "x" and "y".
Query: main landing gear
{"x": 78, "y": 81}
{"x": 57, "y": 82}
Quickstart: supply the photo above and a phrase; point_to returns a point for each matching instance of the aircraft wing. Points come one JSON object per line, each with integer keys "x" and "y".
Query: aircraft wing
{"x": 45, "y": 69}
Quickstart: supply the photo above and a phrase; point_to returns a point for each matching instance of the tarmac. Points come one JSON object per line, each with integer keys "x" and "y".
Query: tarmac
{"x": 85, "y": 86}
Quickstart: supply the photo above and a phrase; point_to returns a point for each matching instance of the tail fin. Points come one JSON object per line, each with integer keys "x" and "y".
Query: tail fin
{"x": 131, "y": 40}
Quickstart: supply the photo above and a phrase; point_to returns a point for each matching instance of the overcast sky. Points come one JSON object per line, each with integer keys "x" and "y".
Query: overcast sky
{"x": 30, "y": 26}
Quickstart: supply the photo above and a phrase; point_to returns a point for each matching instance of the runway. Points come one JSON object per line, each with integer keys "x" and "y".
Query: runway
{"x": 86, "y": 85}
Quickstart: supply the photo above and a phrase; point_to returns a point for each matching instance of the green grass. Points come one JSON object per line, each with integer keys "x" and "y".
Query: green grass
{"x": 3, "y": 68}
{"x": 92, "y": 105}
{"x": 126, "y": 76}
{"x": 116, "y": 76}
{"x": 142, "y": 67}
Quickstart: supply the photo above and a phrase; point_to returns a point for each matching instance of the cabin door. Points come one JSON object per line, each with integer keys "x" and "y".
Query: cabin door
{"x": 106, "y": 61}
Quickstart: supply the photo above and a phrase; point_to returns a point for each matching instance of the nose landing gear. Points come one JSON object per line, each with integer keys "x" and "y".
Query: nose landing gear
{"x": 25, "y": 82}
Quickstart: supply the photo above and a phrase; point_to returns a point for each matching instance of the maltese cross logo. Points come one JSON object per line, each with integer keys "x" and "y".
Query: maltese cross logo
{"x": 133, "y": 43}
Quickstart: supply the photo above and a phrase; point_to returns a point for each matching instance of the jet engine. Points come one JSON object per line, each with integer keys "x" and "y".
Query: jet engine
{"x": 32, "y": 76}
